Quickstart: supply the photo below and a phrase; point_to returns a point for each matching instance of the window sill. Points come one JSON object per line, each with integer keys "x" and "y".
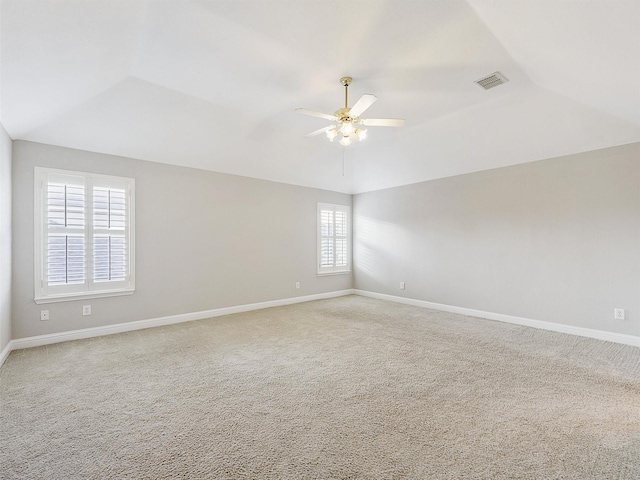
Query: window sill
{"x": 81, "y": 296}
{"x": 341, "y": 272}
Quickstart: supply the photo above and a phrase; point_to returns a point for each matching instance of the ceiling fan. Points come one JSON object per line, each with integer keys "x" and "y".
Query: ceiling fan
{"x": 347, "y": 121}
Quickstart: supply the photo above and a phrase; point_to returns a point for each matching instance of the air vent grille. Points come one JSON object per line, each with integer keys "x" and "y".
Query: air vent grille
{"x": 492, "y": 80}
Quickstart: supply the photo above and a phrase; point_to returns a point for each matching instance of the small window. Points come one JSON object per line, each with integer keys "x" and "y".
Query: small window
{"x": 84, "y": 235}
{"x": 334, "y": 239}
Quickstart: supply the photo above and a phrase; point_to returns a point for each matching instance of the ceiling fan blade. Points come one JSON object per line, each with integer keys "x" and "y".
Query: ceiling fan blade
{"x": 326, "y": 116}
{"x": 362, "y": 104}
{"x": 383, "y": 122}
{"x": 319, "y": 131}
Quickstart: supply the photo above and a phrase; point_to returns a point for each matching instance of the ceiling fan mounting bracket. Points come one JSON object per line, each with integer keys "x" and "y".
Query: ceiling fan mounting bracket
{"x": 346, "y": 81}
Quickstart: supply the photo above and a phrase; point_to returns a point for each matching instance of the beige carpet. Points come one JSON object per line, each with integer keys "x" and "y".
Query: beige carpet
{"x": 348, "y": 388}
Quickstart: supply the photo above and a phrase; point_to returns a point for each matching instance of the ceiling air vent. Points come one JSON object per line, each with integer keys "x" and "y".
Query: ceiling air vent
{"x": 492, "y": 80}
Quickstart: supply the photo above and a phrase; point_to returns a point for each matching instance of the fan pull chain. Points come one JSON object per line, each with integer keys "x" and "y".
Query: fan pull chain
{"x": 344, "y": 149}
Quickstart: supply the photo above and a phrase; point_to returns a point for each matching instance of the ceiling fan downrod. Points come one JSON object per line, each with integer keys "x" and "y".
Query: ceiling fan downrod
{"x": 346, "y": 81}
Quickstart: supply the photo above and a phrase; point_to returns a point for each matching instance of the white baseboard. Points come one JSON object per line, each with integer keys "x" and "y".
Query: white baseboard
{"x": 5, "y": 352}
{"x": 48, "y": 339}
{"x": 527, "y": 322}
{"x": 51, "y": 338}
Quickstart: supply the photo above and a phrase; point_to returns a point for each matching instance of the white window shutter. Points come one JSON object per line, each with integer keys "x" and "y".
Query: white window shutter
{"x": 110, "y": 220}
{"x": 83, "y": 235}
{"x": 64, "y": 224}
{"x": 334, "y": 239}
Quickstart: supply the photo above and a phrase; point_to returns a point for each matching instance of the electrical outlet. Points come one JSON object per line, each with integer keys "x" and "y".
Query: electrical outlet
{"x": 618, "y": 313}
{"x": 86, "y": 310}
{"x": 401, "y": 285}
{"x": 297, "y": 284}
{"x": 44, "y": 314}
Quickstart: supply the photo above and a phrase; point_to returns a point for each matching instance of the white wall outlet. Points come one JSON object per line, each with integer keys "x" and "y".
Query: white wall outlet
{"x": 44, "y": 314}
{"x": 618, "y": 313}
{"x": 297, "y": 284}
{"x": 86, "y": 310}
{"x": 401, "y": 285}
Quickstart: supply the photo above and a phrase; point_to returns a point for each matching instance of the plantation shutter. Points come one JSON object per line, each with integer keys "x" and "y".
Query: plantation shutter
{"x": 83, "y": 235}
{"x": 110, "y": 256}
{"x": 66, "y": 238}
{"x": 327, "y": 228}
{"x": 333, "y": 238}
{"x": 340, "y": 258}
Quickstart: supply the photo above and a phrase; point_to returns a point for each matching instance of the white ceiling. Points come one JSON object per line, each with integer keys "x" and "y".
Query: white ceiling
{"x": 214, "y": 84}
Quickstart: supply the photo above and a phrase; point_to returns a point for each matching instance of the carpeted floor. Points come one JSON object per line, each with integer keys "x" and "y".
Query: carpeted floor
{"x": 347, "y": 388}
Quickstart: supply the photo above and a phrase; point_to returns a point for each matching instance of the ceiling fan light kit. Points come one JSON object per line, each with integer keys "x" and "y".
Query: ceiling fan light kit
{"x": 347, "y": 121}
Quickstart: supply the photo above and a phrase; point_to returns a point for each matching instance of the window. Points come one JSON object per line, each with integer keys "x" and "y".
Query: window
{"x": 84, "y": 230}
{"x": 334, "y": 239}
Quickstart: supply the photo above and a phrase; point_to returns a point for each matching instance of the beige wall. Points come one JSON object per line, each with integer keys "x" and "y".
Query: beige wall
{"x": 204, "y": 240}
{"x": 5, "y": 238}
{"x": 556, "y": 240}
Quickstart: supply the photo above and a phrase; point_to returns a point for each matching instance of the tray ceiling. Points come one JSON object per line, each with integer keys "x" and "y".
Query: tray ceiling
{"x": 214, "y": 84}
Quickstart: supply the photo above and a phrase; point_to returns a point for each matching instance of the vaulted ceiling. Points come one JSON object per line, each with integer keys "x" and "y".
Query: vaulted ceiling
{"x": 213, "y": 84}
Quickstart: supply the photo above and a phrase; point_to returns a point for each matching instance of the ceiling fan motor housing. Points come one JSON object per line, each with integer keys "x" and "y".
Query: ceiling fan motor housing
{"x": 343, "y": 115}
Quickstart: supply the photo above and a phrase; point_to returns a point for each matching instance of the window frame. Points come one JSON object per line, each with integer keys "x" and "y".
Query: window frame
{"x": 44, "y": 293}
{"x": 333, "y": 270}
